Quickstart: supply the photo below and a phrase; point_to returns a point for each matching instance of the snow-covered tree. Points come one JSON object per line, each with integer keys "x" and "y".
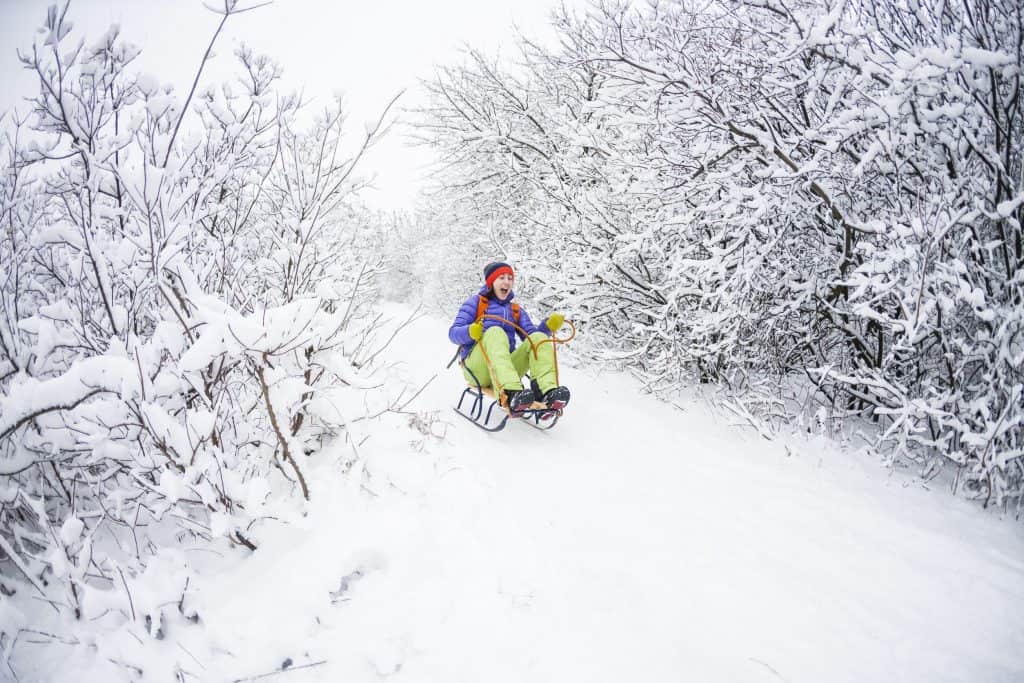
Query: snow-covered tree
{"x": 733, "y": 190}
{"x": 183, "y": 321}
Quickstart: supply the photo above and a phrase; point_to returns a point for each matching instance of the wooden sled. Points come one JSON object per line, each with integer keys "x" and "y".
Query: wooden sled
{"x": 496, "y": 415}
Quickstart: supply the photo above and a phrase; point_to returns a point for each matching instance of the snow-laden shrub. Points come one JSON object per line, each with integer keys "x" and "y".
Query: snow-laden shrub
{"x": 184, "y": 321}
{"x": 432, "y": 264}
{"x": 734, "y": 190}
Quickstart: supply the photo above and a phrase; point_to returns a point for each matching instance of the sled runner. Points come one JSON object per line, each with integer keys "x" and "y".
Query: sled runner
{"x": 496, "y": 416}
{"x": 487, "y": 409}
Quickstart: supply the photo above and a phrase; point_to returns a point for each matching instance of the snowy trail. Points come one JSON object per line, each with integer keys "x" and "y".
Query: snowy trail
{"x": 635, "y": 541}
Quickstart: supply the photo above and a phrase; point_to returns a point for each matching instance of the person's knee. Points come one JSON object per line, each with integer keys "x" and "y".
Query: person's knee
{"x": 494, "y": 331}
{"x": 540, "y": 340}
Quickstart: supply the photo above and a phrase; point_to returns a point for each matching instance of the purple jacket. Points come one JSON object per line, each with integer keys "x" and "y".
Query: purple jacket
{"x": 458, "y": 333}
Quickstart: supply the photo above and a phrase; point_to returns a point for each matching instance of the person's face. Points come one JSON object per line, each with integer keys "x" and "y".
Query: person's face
{"x": 503, "y": 285}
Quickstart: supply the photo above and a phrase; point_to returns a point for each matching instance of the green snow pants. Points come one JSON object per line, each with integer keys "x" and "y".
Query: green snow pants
{"x": 509, "y": 368}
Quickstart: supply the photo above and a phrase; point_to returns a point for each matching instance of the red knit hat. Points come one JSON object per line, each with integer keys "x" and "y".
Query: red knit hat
{"x": 492, "y": 271}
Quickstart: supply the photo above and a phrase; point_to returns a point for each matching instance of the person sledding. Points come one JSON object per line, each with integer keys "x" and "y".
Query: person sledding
{"x": 488, "y": 327}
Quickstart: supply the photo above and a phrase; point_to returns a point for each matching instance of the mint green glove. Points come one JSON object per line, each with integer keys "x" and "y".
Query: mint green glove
{"x": 476, "y": 330}
{"x": 554, "y": 322}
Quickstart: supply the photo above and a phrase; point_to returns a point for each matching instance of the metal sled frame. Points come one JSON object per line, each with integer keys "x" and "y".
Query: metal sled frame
{"x": 538, "y": 416}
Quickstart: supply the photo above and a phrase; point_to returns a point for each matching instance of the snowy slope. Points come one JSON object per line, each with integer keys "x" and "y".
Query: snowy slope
{"x": 636, "y": 541}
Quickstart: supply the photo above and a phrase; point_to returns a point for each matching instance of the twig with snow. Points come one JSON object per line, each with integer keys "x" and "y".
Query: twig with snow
{"x": 279, "y": 672}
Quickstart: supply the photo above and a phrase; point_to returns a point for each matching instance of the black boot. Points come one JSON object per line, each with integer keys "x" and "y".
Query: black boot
{"x": 557, "y": 398}
{"x": 518, "y": 400}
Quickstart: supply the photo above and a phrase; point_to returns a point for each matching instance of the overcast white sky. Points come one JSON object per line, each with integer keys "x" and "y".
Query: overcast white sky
{"x": 368, "y": 50}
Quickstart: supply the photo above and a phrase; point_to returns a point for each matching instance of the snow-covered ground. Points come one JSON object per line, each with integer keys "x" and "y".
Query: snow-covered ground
{"x": 634, "y": 542}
